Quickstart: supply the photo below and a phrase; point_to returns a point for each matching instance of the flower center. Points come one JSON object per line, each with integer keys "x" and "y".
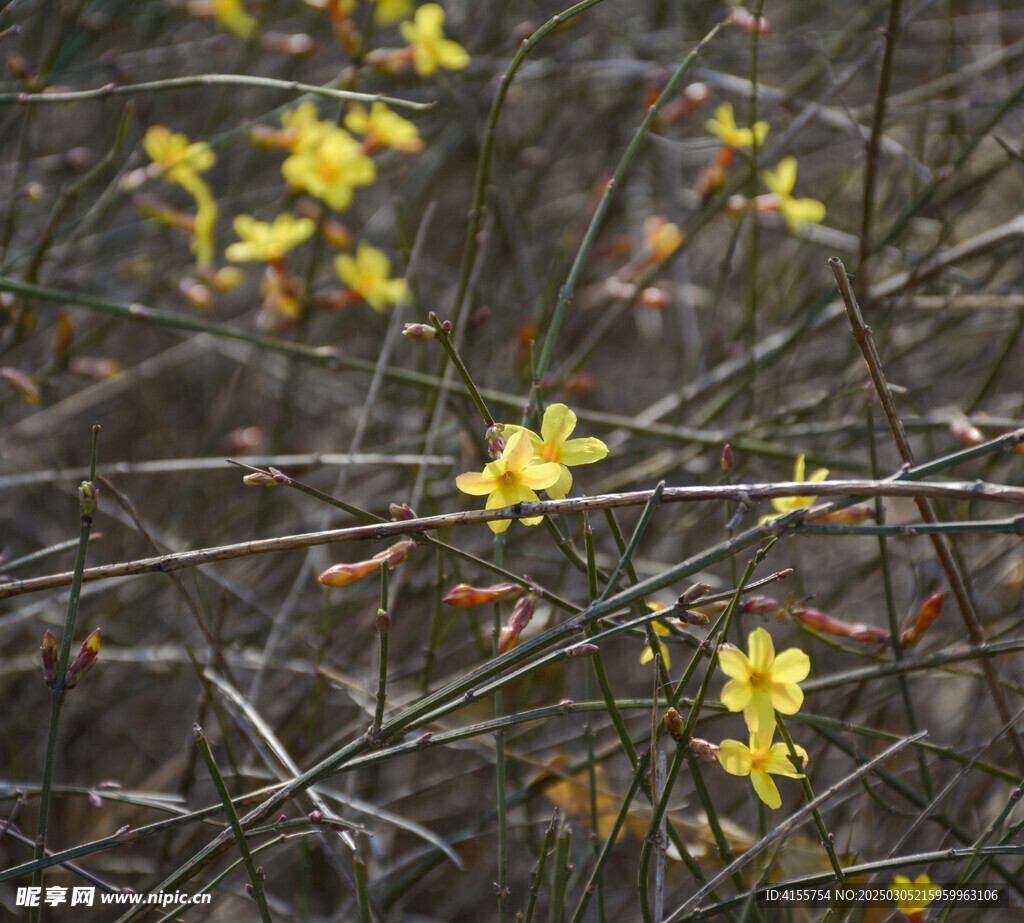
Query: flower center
{"x": 758, "y": 681}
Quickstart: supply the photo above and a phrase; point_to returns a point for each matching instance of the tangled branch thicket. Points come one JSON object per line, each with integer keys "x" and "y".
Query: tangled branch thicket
{"x": 644, "y": 232}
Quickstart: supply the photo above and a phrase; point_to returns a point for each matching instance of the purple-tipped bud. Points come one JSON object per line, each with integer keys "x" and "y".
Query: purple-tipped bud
{"x": 582, "y": 650}
{"x": 520, "y": 618}
{"x": 400, "y": 512}
{"x": 87, "y": 497}
{"x": 48, "y": 652}
{"x": 383, "y": 621}
{"x": 704, "y": 750}
{"x": 495, "y": 441}
{"x": 674, "y": 725}
{"x": 87, "y": 653}
{"x": 727, "y": 460}
{"x": 693, "y": 594}
{"x": 260, "y": 479}
{"x": 420, "y": 332}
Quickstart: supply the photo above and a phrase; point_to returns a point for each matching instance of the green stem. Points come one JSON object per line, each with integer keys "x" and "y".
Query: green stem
{"x": 256, "y": 876}
{"x": 460, "y": 366}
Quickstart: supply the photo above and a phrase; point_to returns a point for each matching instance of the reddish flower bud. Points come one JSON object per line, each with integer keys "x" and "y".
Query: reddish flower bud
{"x": 704, "y": 750}
{"x": 48, "y": 652}
{"x": 582, "y": 650}
{"x": 760, "y": 605}
{"x": 520, "y": 618}
{"x": 856, "y": 631}
{"x": 694, "y": 593}
{"x": 727, "y": 460}
{"x": 674, "y": 725}
{"x": 965, "y": 431}
{"x": 260, "y": 479}
{"x": 927, "y": 614}
{"x": 463, "y": 595}
{"x": 850, "y": 515}
{"x": 383, "y": 621}
{"x": 400, "y": 512}
{"x": 398, "y": 552}
{"x": 87, "y": 653}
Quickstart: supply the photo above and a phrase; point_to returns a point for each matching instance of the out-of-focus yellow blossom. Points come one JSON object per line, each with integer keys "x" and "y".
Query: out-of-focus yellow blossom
{"x": 388, "y": 12}
{"x": 181, "y": 162}
{"x": 797, "y": 212}
{"x": 783, "y": 505}
{"x": 329, "y": 166}
{"x": 263, "y": 241}
{"x": 303, "y": 126}
{"x": 513, "y": 478}
{"x": 762, "y": 682}
{"x": 174, "y": 155}
{"x": 380, "y": 127}
{"x": 431, "y": 49}
{"x": 648, "y": 655}
{"x": 758, "y": 760}
{"x": 661, "y": 238}
{"x": 723, "y": 126}
{"x": 368, "y": 275}
{"x": 231, "y": 15}
{"x": 553, "y": 445}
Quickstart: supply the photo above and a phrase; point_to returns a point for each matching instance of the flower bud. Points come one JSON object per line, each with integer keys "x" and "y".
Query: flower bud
{"x": 401, "y": 512}
{"x": 694, "y": 593}
{"x": 420, "y": 332}
{"x": 495, "y": 440}
{"x": 850, "y": 515}
{"x": 927, "y": 614}
{"x": 674, "y": 725}
{"x": 965, "y": 431}
{"x": 398, "y": 552}
{"x": 727, "y": 460}
{"x": 87, "y": 497}
{"x": 760, "y": 605}
{"x": 463, "y": 595}
{"x": 260, "y": 479}
{"x": 48, "y": 652}
{"x": 520, "y": 618}
{"x": 855, "y": 631}
{"x": 87, "y": 653}
{"x": 344, "y": 574}
{"x": 382, "y": 621}
{"x": 704, "y": 750}
{"x": 582, "y": 650}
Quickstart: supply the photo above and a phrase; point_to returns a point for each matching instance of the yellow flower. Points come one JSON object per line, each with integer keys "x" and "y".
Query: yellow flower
{"x": 431, "y": 49}
{"x": 382, "y": 127}
{"x": 761, "y": 682}
{"x": 231, "y": 15}
{"x": 647, "y": 656}
{"x": 758, "y": 760}
{"x": 783, "y": 505}
{"x": 510, "y": 479}
{"x": 182, "y": 162}
{"x": 367, "y": 276}
{"x": 388, "y": 12}
{"x": 303, "y": 126}
{"x": 920, "y": 887}
{"x": 262, "y": 241}
{"x": 329, "y": 166}
{"x": 797, "y": 212}
{"x": 175, "y": 156}
{"x": 552, "y": 445}
{"x": 723, "y": 126}
{"x": 662, "y": 238}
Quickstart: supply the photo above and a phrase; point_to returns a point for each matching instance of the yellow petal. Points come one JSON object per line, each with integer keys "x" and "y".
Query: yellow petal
{"x": 475, "y": 483}
{"x": 559, "y": 421}
{"x": 734, "y": 663}
{"x": 762, "y": 651}
{"x": 735, "y": 757}
{"x": 791, "y": 666}
{"x": 765, "y": 788}
{"x": 736, "y": 695}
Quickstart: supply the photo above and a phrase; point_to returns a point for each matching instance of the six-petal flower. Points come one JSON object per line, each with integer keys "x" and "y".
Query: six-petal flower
{"x": 759, "y": 760}
{"x": 510, "y": 479}
{"x": 762, "y": 682}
